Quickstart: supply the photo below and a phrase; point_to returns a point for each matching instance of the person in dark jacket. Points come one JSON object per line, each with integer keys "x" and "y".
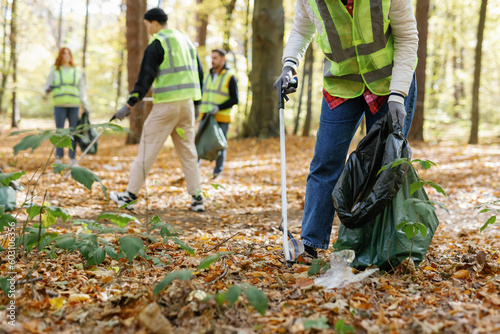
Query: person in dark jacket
{"x": 172, "y": 66}
{"x": 220, "y": 93}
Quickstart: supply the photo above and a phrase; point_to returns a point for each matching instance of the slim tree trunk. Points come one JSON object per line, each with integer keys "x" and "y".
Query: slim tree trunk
{"x": 246, "y": 48}
{"x": 309, "y": 61}
{"x": 85, "y": 38}
{"x": 5, "y": 65}
{"x": 417, "y": 127}
{"x": 202, "y": 26}
{"x": 13, "y": 57}
{"x": 228, "y": 23}
{"x": 267, "y": 45}
{"x": 474, "y": 131}
{"x": 299, "y": 107}
{"x": 136, "y": 43}
{"x": 59, "y": 25}
{"x": 121, "y": 56}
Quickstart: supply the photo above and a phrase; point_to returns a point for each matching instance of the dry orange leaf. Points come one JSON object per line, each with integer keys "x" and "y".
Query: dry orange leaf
{"x": 304, "y": 283}
{"x": 461, "y": 274}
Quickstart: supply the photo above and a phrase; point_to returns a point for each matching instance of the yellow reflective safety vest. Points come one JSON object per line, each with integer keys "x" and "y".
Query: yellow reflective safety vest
{"x": 177, "y": 77}
{"x": 359, "y": 49}
{"x": 66, "y": 86}
{"x": 215, "y": 93}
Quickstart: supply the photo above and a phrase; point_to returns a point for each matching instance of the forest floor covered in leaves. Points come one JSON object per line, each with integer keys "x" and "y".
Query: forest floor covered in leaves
{"x": 456, "y": 289}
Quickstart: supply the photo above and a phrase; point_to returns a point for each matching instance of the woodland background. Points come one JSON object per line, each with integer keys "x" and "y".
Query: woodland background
{"x": 458, "y": 60}
{"x": 77, "y": 272}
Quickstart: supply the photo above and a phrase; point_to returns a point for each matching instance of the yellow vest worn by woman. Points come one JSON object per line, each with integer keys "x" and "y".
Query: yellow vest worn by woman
{"x": 359, "y": 49}
{"x": 66, "y": 86}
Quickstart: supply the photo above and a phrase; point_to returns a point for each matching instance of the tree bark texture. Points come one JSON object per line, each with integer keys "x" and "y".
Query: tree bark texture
{"x": 422, "y": 15}
{"x": 228, "y": 23}
{"x": 85, "y": 38}
{"x": 267, "y": 46}
{"x": 13, "y": 57}
{"x": 5, "y": 65}
{"x": 137, "y": 40}
{"x": 59, "y": 25}
{"x": 474, "y": 130}
{"x": 309, "y": 62}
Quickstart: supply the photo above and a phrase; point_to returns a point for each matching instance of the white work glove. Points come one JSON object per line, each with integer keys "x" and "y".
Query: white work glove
{"x": 398, "y": 113}
{"x": 215, "y": 110}
{"x": 284, "y": 78}
{"x": 123, "y": 112}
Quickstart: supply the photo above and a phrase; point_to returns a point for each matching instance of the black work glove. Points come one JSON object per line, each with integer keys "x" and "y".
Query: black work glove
{"x": 284, "y": 78}
{"x": 398, "y": 113}
{"x": 123, "y": 112}
{"x": 196, "y": 111}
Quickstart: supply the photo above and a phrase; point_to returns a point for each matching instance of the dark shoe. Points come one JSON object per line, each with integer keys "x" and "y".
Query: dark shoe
{"x": 123, "y": 198}
{"x": 197, "y": 204}
{"x": 309, "y": 255}
{"x": 215, "y": 175}
{"x": 311, "y": 251}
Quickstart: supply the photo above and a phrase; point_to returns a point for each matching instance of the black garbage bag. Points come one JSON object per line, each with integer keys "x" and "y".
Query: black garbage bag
{"x": 87, "y": 134}
{"x": 210, "y": 139}
{"x": 361, "y": 193}
{"x": 380, "y": 243}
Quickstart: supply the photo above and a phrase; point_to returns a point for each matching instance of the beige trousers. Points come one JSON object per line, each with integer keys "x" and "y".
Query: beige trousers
{"x": 163, "y": 121}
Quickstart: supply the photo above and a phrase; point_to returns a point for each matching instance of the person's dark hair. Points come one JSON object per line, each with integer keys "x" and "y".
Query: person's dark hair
{"x": 220, "y": 51}
{"x": 156, "y": 14}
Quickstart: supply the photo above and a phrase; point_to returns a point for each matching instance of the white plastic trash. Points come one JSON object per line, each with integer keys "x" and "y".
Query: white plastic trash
{"x": 340, "y": 273}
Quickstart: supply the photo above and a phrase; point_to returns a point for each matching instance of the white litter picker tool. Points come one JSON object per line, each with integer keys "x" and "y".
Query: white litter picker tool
{"x": 291, "y": 247}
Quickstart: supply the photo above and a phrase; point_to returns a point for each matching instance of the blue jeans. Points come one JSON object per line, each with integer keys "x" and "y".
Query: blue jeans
{"x": 219, "y": 163}
{"x": 60, "y": 115}
{"x": 336, "y": 130}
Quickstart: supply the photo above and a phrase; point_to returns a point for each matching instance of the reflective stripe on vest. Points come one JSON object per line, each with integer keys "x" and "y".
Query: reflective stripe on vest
{"x": 66, "y": 87}
{"x": 177, "y": 78}
{"x": 215, "y": 93}
{"x": 359, "y": 50}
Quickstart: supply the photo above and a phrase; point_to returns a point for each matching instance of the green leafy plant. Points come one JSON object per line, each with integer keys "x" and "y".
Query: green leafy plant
{"x": 255, "y": 297}
{"x": 418, "y": 206}
{"x": 342, "y": 328}
{"x": 318, "y": 324}
{"x": 318, "y": 265}
{"x": 489, "y": 207}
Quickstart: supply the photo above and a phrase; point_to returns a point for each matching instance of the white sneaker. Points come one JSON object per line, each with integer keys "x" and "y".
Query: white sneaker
{"x": 123, "y": 198}
{"x": 72, "y": 162}
{"x": 58, "y": 161}
{"x": 197, "y": 204}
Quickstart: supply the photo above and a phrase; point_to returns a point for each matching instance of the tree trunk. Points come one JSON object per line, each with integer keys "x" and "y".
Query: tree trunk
{"x": 5, "y": 65}
{"x": 474, "y": 130}
{"x": 299, "y": 107}
{"x": 85, "y": 38}
{"x": 309, "y": 61}
{"x": 119, "y": 71}
{"x": 228, "y": 23}
{"x": 202, "y": 25}
{"x": 59, "y": 25}
{"x": 13, "y": 57}
{"x": 417, "y": 126}
{"x": 247, "y": 55}
{"x": 136, "y": 43}
{"x": 267, "y": 46}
